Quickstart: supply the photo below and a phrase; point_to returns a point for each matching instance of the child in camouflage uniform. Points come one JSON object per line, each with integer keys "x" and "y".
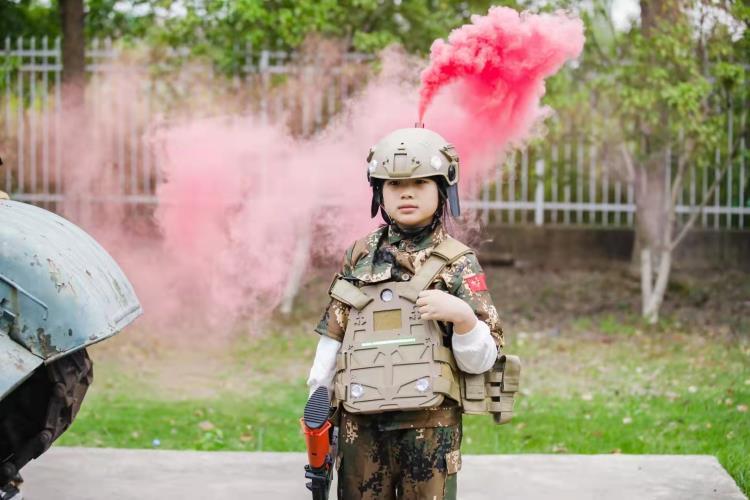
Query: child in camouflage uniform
{"x": 410, "y": 454}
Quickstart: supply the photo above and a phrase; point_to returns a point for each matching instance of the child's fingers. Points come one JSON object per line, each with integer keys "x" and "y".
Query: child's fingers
{"x": 426, "y": 300}
{"x": 432, "y": 315}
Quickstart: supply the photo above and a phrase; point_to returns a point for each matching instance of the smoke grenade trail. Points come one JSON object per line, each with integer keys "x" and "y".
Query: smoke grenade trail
{"x": 483, "y": 87}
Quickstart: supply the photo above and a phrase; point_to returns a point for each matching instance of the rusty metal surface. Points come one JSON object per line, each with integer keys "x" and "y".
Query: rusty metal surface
{"x": 59, "y": 289}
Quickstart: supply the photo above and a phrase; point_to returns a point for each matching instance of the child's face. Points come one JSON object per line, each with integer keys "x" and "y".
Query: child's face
{"x": 410, "y": 202}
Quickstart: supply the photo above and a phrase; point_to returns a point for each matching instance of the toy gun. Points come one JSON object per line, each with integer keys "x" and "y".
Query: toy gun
{"x": 320, "y": 438}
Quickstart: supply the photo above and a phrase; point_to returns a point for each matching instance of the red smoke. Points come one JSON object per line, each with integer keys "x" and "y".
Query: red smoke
{"x": 493, "y": 72}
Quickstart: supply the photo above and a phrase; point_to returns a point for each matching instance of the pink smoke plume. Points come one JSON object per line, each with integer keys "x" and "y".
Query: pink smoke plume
{"x": 483, "y": 87}
{"x": 244, "y": 206}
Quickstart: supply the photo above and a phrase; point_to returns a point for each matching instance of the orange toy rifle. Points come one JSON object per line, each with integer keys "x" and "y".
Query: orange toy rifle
{"x": 320, "y": 438}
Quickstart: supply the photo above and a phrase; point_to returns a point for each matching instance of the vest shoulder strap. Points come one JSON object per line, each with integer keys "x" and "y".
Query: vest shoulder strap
{"x": 444, "y": 254}
{"x": 450, "y": 250}
{"x": 345, "y": 292}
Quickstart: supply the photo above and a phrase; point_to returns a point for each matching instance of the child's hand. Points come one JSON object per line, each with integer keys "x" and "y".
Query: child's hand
{"x": 442, "y": 306}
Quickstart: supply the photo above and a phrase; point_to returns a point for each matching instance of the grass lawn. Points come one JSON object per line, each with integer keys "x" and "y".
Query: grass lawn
{"x": 598, "y": 382}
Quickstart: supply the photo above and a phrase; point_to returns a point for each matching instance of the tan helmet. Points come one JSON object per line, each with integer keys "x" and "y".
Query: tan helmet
{"x": 409, "y": 153}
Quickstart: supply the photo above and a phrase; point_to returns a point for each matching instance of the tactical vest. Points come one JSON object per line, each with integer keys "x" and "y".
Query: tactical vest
{"x": 391, "y": 359}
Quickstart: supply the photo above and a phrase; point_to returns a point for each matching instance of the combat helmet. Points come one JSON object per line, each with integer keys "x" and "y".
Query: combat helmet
{"x": 410, "y": 153}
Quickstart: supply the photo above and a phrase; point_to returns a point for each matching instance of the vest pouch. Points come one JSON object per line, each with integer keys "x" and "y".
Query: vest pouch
{"x": 504, "y": 379}
{"x": 474, "y": 387}
{"x": 492, "y": 392}
{"x": 474, "y": 398}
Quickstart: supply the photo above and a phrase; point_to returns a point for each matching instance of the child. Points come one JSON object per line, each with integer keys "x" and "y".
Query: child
{"x": 396, "y": 379}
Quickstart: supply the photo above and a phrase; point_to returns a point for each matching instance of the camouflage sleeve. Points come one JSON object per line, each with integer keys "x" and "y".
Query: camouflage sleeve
{"x": 466, "y": 279}
{"x": 336, "y": 314}
{"x": 333, "y": 322}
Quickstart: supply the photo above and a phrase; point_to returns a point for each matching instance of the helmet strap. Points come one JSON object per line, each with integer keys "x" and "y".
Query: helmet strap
{"x": 453, "y": 200}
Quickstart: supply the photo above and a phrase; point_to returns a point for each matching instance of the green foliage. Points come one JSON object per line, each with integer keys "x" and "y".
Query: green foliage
{"x": 28, "y": 18}
{"x": 673, "y": 79}
{"x": 106, "y": 19}
{"x": 8, "y": 67}
{"x": 220, "y": 30}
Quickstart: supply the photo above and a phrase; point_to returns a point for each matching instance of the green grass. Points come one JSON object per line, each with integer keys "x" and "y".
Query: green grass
{"x": 634, "y": 393}
{"x": 686, "y": 424}
{"x": 270, "y": 422}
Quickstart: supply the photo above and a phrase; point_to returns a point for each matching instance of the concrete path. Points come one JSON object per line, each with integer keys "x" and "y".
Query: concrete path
{"x": 109, "y": 474}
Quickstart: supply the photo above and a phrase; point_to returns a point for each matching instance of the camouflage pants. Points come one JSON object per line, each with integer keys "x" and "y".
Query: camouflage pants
{"x": 377, "y": 460}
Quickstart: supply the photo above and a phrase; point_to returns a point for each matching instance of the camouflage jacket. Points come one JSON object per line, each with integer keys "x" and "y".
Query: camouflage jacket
{"x": 388, "y": 254}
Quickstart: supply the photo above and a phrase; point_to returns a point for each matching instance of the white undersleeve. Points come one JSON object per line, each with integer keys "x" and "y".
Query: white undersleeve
{"x": 324, "y": 366}
{"x": 475, "y": 351}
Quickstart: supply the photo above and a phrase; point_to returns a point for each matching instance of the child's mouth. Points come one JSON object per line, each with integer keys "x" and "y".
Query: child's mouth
{"x": 407, "y": 208}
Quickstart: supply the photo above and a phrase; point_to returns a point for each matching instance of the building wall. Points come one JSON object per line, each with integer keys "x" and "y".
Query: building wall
{"x": 556, "y": 246}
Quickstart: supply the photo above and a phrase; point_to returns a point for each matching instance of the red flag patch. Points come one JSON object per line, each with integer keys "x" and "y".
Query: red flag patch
{"x": 476, "y": 283}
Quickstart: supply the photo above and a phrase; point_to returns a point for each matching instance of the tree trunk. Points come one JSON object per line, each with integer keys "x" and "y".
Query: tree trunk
{"x": 73, "y": 52}
{"x": 653, "y": 246}
{"x": 653, "y": 235}
{"x": 76, "y": 133}
{"x": 654, "y": 12}
{"x": 300, "y": 261}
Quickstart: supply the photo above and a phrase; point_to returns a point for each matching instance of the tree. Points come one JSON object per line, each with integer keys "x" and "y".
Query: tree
{"x": 663, "y": 90}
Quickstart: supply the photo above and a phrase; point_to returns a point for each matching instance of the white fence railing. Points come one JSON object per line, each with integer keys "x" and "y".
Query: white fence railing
{"x": 568, "y": 184}
{"x": 564, "y": 183}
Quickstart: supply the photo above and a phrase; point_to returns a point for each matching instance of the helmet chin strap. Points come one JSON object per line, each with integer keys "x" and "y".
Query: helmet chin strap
{"x": 385, "y": 216}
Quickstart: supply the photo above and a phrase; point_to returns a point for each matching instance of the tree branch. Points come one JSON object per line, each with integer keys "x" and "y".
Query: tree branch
{"x": 593, "y": 41}
{"x": 694, "y": 215}
{"x": 628, "y": 162}
{"x": 681, "y": 167}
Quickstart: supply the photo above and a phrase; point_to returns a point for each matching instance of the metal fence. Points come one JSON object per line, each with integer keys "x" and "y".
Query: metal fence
{"x": 565, "y": 182}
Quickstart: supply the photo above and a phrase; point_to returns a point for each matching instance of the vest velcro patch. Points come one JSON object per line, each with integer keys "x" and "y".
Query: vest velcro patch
{"x": 476, "y": 283}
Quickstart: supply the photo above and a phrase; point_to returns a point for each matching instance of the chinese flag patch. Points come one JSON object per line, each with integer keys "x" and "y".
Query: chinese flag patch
{"x": 476, "y": 283}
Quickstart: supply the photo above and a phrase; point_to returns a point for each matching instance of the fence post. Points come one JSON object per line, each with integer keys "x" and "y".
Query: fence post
{"x": 539, "y": 194}
{"x": 263, "y": 64}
